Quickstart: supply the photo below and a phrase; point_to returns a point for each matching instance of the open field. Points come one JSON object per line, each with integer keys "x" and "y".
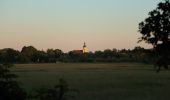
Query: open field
{"x": 113, "y": 81}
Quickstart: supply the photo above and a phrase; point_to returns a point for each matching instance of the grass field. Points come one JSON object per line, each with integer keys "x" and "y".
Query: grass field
{"x": 114, "y": 81}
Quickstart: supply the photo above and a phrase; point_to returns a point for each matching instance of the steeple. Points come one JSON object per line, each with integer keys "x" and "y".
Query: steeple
{"x": 85, "y": 48}
{"x": 84, "y": 45}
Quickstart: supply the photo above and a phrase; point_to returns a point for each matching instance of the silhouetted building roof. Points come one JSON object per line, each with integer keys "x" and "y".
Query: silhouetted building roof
{"x": 77, "y": 51}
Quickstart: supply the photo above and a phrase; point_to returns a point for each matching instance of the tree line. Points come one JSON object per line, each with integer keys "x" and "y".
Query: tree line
{"x": 30, "y": 54}
{"x": 155, "y": 30}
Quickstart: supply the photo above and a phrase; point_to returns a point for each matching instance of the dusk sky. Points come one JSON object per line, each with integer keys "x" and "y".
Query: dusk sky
{"x": 67, "y": 24}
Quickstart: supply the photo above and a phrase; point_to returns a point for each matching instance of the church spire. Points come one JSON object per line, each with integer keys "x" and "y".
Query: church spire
{"x": 84, "y": 45}
{"x": 85, "y": 48}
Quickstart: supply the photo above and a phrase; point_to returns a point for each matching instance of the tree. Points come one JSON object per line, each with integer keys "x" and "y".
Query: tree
{"x": 58, "y": 54}
{"x": 60, "y": 91}
{"x": 29, "y": 53}
{"x": 9, "y": 55}
{"x": 51, "y": 55}
{"x": 41, "y": 56}
{"x": 54, "y": 55}
{"x": 155, "y": 30}
{"x": 9, "y": 87}
{"x": 107, "y": 53}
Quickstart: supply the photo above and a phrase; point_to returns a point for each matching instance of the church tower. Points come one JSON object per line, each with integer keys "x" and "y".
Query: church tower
{"x": 85, "y": 50}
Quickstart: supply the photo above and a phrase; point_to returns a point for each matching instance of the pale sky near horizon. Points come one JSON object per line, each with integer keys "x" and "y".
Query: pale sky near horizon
{"x": 67, "y": 24}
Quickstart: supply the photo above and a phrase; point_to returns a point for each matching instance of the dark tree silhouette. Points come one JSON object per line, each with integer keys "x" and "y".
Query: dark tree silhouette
{"x": 58, "y": 92}
{"x": 29, "y": 53}
{"x": 9, "y": 87}
{"x": 155, "y": 30}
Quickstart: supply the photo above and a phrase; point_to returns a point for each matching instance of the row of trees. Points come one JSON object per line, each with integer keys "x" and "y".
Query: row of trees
{"x": 155, "y": 30}
{"x": 31, "y": 55}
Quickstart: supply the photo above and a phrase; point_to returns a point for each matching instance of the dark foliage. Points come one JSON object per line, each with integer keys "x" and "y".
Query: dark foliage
{"x": 59, "y": 92}
{"x": 32, "y": 55}
{"x": 9, "y": 87}
{"x": 155, "y": 30}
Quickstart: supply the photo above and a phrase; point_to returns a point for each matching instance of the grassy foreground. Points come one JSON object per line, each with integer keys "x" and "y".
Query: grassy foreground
{"x": 114, "y": 81}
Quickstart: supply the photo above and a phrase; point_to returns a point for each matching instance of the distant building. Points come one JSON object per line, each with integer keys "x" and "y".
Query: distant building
{"x": 84, "y": 50}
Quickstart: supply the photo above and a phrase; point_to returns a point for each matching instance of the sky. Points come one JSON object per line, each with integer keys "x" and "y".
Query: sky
{"x": 67, "y": 24}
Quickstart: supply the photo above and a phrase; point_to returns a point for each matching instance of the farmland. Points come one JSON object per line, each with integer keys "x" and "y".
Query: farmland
{"x": 99, "y": 81}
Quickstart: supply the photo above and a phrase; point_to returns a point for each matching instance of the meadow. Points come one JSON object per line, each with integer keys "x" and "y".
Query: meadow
{"x": 99, "y": 81}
